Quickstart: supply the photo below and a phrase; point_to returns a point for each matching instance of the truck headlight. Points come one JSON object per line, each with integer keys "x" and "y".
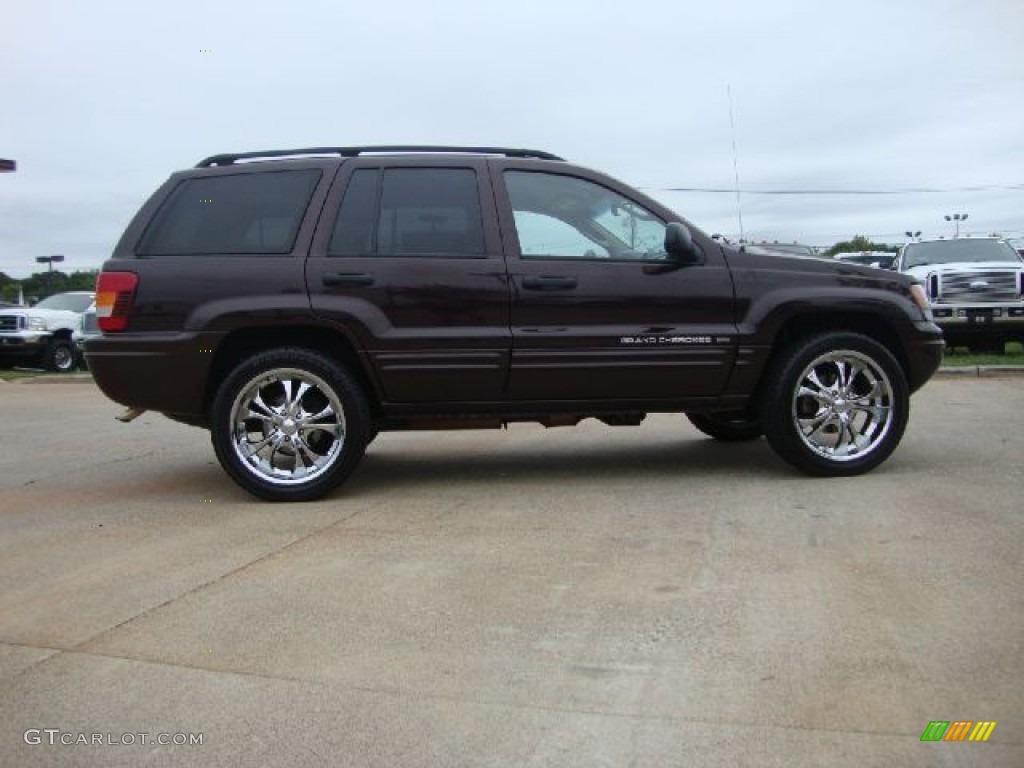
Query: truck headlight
{"x": 36, "y": 324}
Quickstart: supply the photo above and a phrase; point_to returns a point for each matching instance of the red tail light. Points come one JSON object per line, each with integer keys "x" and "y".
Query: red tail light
{"x": 115, "y": 293}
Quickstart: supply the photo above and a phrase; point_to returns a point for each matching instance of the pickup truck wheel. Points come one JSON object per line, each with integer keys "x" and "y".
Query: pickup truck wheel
{"x": 289, "y": 425}
{"x": 836, "y": 404}
{"x": 60, "y": 356}
{"x": 731, "y": 426}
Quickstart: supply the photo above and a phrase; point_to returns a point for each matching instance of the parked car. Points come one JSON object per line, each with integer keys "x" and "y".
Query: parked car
{"x": 976, "y": 287}
{"x": 296, "y": 302}
{"x": 88, "y": 328}
{"x": 792, "y": 249}
{"x": 42, "y": 333}
{"x": 878, "y": 259}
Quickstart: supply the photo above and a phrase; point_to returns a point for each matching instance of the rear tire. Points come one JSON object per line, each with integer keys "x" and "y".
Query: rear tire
{"x": 729, "y": 426}
{"x": 289, "y": 424}
{"x": 835, "y": 404}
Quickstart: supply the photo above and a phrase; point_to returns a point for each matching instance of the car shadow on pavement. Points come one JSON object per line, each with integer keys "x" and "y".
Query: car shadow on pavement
{"x": 390, "y": 465}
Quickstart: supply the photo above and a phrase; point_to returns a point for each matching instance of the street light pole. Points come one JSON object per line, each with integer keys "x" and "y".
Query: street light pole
{"x": 49, "y": 260}
{"x": 957, "y": 218}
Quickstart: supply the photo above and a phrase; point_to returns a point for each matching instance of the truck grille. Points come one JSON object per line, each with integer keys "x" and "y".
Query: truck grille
{"x": 10, "y": 323}
{"x": 987, "y": 286}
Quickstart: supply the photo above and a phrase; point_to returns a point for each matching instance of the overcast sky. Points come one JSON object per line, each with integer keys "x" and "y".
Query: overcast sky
{"x": 100, "y": 101}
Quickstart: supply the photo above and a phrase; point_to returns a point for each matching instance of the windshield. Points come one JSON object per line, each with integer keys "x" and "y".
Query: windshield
{"x": 76, "y": 302}
{"x": 950, "y": 251}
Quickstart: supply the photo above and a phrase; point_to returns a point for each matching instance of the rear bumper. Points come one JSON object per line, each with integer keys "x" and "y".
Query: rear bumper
{"x": 157, "y": 372}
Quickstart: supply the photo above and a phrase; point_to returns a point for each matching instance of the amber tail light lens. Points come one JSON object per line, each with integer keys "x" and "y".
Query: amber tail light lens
{"x": 115, "y": 295}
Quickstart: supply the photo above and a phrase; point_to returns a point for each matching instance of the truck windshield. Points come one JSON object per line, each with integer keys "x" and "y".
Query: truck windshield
{"x": 950, "y": 251}
{"x": 76, "y": 302}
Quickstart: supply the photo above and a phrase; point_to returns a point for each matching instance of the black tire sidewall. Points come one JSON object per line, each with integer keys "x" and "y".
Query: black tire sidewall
{"x": 348, "y": 391}
{"x": 776, "y": 403}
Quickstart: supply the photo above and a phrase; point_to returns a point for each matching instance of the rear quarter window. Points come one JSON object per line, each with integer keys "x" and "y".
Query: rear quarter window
{"x": 252, "y": 213}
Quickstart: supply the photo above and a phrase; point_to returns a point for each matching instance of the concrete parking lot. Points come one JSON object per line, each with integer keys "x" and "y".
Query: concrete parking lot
{"x": 592, "y": 596}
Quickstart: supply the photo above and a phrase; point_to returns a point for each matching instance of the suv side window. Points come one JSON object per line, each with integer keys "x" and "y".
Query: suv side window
{"x": 354, "y": 229}
{"x": 252, "y": 213}
{"x": 561, "y": 217}
{"x": 410, "y": 212}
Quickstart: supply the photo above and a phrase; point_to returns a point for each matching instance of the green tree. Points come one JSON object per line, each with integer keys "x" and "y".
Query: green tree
{"x": 43, "y": 284}
{"x": 859, "y": 243}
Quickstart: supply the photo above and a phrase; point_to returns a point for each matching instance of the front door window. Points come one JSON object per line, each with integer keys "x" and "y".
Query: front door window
{"x": 566, "y": 217}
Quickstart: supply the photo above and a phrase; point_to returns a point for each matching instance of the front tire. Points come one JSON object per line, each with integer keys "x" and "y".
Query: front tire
{"x": 729, "y": 426}
{"x": 836, "y": 404}
{"x": 289, "y": 425}
{"x": 59, "y": 356}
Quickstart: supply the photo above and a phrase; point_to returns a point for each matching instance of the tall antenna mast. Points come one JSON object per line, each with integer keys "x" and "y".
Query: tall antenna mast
{"x": 735, "y": 162}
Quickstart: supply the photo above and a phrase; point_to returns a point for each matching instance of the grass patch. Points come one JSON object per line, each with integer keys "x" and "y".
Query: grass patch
{"x": 960, "y": 356}
{"x": 10, "y": 374}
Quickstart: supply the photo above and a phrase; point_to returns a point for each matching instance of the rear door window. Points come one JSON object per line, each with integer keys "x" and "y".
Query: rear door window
{"x": 410, "y": 212}
{"x": 251, "y": 213}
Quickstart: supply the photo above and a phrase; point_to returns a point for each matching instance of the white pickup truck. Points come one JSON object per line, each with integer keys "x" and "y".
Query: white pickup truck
{"x": 43, "y": 333}
{"x": 976, "y": 288}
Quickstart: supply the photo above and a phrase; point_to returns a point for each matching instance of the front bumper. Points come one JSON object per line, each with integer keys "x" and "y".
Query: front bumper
{"x": 23, "y": 343}
{"x": 924, "y": 354}
{"x": 990, "y": 322}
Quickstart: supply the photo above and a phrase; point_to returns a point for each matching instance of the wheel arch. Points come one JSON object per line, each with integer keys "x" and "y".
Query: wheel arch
{"x": 800, "y": 326}
{"x": 243, "y": 343}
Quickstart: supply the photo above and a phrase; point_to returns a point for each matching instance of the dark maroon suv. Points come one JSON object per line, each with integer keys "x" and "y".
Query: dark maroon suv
{"x": 297, "y": 302}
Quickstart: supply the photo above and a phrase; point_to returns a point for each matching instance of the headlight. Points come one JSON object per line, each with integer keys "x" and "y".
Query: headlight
{"x": 36, "y": 324}
{"x": 917, "y": 293}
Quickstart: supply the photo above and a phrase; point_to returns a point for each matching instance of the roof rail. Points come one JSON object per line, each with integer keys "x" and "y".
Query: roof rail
{"x": 229, "y": 159}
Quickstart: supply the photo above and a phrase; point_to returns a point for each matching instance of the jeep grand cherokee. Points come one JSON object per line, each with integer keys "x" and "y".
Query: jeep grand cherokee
{"x": 296, "y": 302}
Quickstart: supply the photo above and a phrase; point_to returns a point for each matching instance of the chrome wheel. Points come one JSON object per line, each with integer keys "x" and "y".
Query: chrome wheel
{"x": 60, "y": 356}
{"x": 288, "y": 426}
{"x": 843, "y": 406}
{"x": 835, "y": 404}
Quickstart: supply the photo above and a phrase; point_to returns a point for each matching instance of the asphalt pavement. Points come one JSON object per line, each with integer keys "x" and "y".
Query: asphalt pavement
{"x": 588, "y": 596}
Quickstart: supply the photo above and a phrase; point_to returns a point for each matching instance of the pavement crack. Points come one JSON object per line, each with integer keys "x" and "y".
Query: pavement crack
{"x": 79, "y": 647}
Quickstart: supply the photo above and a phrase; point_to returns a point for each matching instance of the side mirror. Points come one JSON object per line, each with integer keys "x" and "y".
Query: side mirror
{"x": 680, "y": 246}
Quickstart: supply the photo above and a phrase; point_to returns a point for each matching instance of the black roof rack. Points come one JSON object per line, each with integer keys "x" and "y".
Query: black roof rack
{"x": 228, "y": 159}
